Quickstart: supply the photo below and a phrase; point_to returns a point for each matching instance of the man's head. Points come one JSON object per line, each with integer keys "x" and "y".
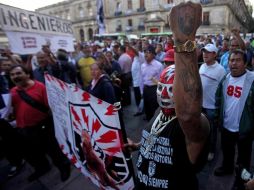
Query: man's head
{"x": 19, "y": 74}
{"x": 42, "y": 59}
{"x": 159, "y": 48}
{"x": 62, "y": 55}
{"x": 122, "y": 50}
{"x": 109, "y": 55}
{"x": 233, "y": 44}
{"x": 86, "y": 49}
{"x": 149, "y": 54}
{"x": 46, "y": 48}
{"x": 169, "y": 58}
{"x": 165, "y": 91}
{"x": 115, "y": 49}
{"x": 225, "y": 43}
{"x": 237, "y": 62}
{"x": 5, "y": 65}
{"x": 209, "y": 53}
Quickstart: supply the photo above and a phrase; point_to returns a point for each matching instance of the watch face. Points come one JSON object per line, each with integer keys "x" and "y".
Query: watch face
{"x": 189, "y": 46}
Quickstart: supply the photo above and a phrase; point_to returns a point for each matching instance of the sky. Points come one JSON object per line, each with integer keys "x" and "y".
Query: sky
{"x": 28, "y": 4}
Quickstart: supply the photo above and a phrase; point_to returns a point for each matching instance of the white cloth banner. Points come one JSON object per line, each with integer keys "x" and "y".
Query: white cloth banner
{"x": 5, "y": 106}
{"x": 31, "y": 43}
{"x": 88, "y": 131}
{"x": 27, "y": 31}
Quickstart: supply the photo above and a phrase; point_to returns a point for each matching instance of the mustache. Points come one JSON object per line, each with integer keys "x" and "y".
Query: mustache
{"x": 15, "y": 80}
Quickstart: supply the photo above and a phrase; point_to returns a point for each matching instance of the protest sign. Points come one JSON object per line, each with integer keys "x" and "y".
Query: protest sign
{"x": 27, "y": 31}
{"x": 89, "y": 133}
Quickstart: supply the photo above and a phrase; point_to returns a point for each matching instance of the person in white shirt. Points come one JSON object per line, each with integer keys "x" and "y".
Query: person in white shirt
{"x": 136, "y": 77}
{"x": 125, "y": 62}
{"x": 211, "y": 73}
{"x": 150, "y": 74}
{"x": 236, "y": 113}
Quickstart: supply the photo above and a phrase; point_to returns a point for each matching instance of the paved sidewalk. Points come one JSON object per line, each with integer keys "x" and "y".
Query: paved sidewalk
{"x": 134, "y": 126}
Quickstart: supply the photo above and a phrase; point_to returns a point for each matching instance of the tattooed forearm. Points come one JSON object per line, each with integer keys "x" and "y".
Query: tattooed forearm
{"x": 190, "y": 84}
{"x": 189, "y": 77}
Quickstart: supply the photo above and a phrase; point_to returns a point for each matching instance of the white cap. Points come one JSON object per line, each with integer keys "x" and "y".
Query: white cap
{"x": 210, "y": 48}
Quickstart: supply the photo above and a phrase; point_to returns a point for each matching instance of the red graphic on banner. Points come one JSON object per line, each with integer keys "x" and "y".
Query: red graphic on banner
{"x": 96, "y": 126}
{"x": 108, "y": 137}
{"x": 111, "y": 110}
{"x": 100, "y": 101}
{"x": 62, "y": 84}
{"x": 86, "y": 96}
{"x": 85, "y": 117}
{"x": 76, "y": 117}
{"x": 48, "y": 77}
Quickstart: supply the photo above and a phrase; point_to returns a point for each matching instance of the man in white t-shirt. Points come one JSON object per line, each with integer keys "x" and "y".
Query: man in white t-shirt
{"x": 236, "y": 112}
{"x": 211, "y": 73}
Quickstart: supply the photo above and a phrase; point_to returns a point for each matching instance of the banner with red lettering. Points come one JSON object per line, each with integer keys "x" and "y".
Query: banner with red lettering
{"x": 90, "y": 135}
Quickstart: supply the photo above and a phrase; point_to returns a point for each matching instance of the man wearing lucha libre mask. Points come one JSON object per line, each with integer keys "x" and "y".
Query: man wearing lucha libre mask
{"x": 175, "y": 146}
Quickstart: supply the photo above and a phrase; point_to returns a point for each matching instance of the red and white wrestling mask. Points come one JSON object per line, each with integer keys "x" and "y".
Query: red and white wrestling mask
{"x": 165, "y": 91}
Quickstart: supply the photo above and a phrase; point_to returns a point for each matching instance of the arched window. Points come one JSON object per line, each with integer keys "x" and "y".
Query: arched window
{"x": 90, "y": 33}
{"x": 82, "y": 35}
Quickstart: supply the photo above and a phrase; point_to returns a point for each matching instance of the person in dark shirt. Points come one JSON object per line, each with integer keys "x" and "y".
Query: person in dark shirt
{"x": 101, "y": 86}
{"x": 175, "y": 147}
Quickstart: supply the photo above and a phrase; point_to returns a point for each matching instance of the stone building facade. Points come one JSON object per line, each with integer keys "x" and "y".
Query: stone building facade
{"x": 140, "y": 16}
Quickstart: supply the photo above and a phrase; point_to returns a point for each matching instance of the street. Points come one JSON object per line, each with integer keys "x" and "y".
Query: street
{"x": 77, "y": 181}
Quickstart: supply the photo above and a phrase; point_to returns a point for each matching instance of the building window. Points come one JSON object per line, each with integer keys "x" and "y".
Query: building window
{"x": 90, "y": 33}
{"x": 130, "y": 4}
{"x": 81, "y": 12}
{"x": 68, "y": 16}
{"x": 82, "y": 35}
{"x": 142, "y": 21}
{"x": 141, "y": 6}
{"x": 141, "y": 25}
{"x": 170, "y": 1}
{"x": 142, "y": 3}
{"x": 60, "y": 14}
{"x": 129, "y": 22}
{"x": 118, "y": 11}
{"x": 118, "y": 26}
{"x": 90, "y": 11}
{"x": 206, "y": 20}
{"x": 118, "y": 7}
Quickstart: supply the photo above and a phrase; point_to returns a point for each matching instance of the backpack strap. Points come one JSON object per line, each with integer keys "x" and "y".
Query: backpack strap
{"x": 32, "y": 102}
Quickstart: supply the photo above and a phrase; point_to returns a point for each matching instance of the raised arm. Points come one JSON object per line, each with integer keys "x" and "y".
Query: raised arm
{"x": 236, "y": 34}
{"x": 185, "y": 19}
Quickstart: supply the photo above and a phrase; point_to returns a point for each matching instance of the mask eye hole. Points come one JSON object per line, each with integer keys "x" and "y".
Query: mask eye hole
{"x": 159, "y": 87}
{"x": 170, "y": 89}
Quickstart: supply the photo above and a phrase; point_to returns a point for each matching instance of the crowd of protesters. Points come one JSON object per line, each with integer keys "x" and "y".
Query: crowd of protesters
{"x": 109, "y": 69}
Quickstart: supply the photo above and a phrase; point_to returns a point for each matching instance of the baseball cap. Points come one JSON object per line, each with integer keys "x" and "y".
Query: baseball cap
{"x": 169, "y": 56}
{"x": 210, "y": 48}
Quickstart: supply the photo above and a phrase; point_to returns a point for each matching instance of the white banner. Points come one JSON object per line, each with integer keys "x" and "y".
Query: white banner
{"x": 89, "y": 133}
{"x": 27, "y": 31}
{"x": 31, "y": 43}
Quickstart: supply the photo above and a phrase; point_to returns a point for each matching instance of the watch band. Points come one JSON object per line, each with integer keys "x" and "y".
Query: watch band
{"x": 188, "y": 46}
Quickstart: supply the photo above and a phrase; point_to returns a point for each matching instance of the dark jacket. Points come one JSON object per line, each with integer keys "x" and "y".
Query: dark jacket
{"x": 103, "y": 90}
